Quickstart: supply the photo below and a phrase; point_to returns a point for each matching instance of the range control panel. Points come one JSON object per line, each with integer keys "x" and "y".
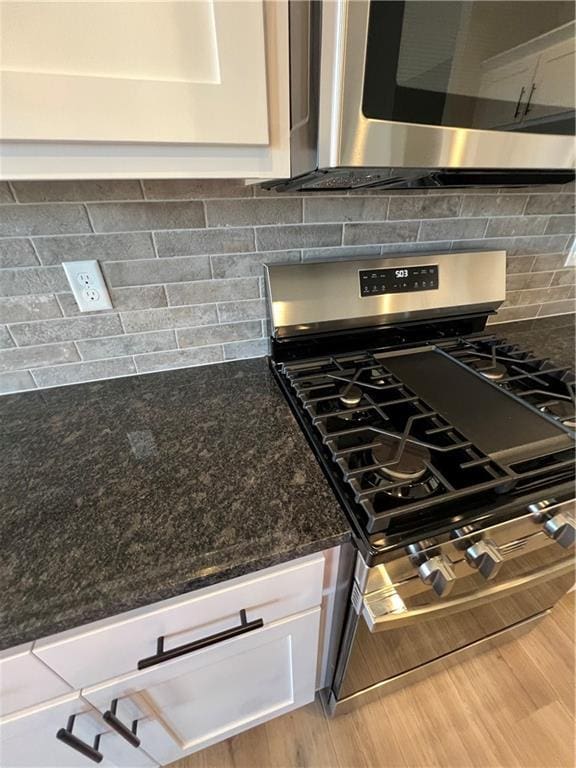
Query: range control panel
{"x": 375, "y": 282}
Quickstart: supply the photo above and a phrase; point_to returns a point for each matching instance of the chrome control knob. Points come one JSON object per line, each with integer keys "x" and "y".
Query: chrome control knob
{"x": 485, "y": 557}
{"x": 561, "y": 528}
{"x": 437, "y": 571}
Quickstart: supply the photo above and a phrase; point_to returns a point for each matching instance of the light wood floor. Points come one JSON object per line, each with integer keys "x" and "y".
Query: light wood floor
{"x": 508, "y": 707}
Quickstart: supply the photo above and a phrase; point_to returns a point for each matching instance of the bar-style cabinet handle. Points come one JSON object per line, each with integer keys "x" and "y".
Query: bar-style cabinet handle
{"x": 91, "y": 752}
{"x": 123, "y": 730}
{"x": 162, "y": 655}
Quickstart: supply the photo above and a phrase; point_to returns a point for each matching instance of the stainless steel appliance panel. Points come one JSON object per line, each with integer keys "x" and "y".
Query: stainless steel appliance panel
{"x": 431, "y": 628}
{"x": 319, "y": 296}
{"x": 347, "y": 138}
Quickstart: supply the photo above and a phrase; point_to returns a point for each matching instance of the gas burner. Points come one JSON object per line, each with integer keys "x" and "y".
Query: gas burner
{"x": 350, "y": 395}
{"x": 407, "y": 477}
{"x": 562, "y": 410}
{"x": 493, "y": 371}
{"x": 411, "y": 465}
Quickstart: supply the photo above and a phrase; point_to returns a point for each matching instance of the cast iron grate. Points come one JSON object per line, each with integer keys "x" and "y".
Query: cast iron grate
{"x": 354, "y": 404}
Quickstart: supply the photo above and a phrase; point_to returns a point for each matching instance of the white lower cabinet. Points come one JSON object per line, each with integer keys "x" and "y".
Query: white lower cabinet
{"x": 207, "y": 695}
{"x": 28, "y": 738}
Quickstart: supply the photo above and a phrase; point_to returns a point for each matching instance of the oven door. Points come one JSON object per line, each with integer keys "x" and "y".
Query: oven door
{"x": 403, "y": 630}
{"x": 418, "y": 84}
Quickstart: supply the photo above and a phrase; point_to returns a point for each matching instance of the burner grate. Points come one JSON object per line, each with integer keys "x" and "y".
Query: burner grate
{"x": 550, "y": 389}
{"x": 387, "y": 414}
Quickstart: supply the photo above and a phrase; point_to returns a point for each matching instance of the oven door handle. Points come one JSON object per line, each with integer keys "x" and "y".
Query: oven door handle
{"x": 385, "y": 608}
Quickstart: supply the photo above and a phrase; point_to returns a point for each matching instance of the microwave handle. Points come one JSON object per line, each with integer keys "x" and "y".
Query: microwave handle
{"x": 385, "y": 609}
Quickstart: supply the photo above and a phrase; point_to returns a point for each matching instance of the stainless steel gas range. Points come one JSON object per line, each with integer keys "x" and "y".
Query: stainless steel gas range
{"x": 451, "y": 450}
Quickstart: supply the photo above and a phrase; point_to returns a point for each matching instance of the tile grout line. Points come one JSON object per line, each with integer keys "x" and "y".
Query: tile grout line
{"x": 86, "y": 208}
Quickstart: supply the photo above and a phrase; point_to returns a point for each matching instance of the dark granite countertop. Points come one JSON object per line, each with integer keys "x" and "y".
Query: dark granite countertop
{"x": 118, "y": 494}
{"x": 551, "y": 337}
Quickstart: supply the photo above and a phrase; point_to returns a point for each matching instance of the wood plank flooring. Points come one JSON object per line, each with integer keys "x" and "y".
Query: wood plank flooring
{"x": 510, "y": 707}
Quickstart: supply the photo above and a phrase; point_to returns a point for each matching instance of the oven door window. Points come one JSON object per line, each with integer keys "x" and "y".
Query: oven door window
{"x": 485, "y": 65}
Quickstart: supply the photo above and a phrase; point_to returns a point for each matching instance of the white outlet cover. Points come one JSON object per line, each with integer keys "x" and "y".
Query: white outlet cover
{"x": 88, "y": 286}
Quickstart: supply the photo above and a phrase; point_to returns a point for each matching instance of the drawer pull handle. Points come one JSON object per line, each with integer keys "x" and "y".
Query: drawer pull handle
{"x": 162, "y": 655}
{"x": 91, "y": 752}
{"x": 126, "y": 733}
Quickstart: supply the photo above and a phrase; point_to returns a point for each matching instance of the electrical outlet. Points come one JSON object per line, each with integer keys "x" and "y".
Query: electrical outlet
{"x": 87, "y": 284}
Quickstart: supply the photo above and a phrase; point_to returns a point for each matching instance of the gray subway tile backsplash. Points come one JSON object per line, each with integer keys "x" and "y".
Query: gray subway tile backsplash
{"x": 103, "y": 247}
{"x": 65, "y": 329}
{"x": 453, "y": 229}
{"x": 202, "y": 241}
{"x": 425, "y": 207}
{"x": 385, "y": 232}
{"x": 298, "y": 236}
{"x": 242, "y": 310}
{"x": 338, "y": 209}
{"x": 77, "y": 372}
{"x": 215, "y": 290}
{"x": 28, "y": 220}
{"x": 493, "y": 205}
{"x": 561, "y": 225}
{"x": 21, "y": 282}
{"x": 513, "y": 226}
{"x": 251, "y": 213}
{"x": 17, "y": 252}
{"x": 124, "y": 273}
{"x": 219, "y": 334}
{"x": 127, "y": 344}
{"x": 19, "y": 358}
{"x": 81, "y": 190}
{"x": 550, "y": 203}
{"x": 172, "y": 317}
{"x": 129, "y": 217}
{"x": 188, "y": 290}
{"x": 179, "y": 358}
{"x": 16, "y": 309}
{"x": 6, "y": 341}
{"x": 18, "y": 381}
{"x": 5, "y": 193}
{"x": 249, "y": 264}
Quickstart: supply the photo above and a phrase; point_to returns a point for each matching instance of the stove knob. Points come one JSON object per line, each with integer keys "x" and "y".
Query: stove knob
{"x": 485, "y": 557}
{"x": 538, "y": 509}
{"x": 437, "y": 571}
{"x": 561, "y": 528}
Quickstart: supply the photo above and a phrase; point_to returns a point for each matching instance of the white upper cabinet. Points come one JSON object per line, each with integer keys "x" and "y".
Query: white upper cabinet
{"x": 134, "y": 71}
{"x": 140, "y": 87}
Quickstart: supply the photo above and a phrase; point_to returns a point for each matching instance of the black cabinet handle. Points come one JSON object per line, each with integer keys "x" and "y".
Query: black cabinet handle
{"x": 126, "y": 733}
{"x": 91, "y": 752}
{"x": 519, "y": 103}
{"x": 528, "y": 107}
{"x": 162, "y": 655}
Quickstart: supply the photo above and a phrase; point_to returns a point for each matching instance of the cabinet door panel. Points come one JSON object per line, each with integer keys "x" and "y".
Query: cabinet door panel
{"x": 160, "y": 71}
{"x": 83, "y": 656}
{"x": 26, "y": 681}
{"x": 193, "y": 701}
{"x": 28, "y": 738}
{"x": 554, "y": 80}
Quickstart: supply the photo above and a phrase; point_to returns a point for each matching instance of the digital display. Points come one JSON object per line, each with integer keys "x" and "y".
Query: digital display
{"x": 375, "y": 282}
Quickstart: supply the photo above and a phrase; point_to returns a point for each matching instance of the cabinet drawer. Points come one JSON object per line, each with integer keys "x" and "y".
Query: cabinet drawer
{"x": 191, "y": 702}
{"x": 26, "y": 681}
{"x": 113, "y": 647}
{"x": 28, "y": 738}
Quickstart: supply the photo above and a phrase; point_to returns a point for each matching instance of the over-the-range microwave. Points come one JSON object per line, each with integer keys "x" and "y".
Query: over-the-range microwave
{"x": 425, "y": 93}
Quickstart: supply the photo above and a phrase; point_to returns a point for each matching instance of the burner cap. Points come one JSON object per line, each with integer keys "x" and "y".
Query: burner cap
{"x": 563, "y": 410}
{"x": 493, "y": 372}
{"x": 411, "y": 465}
{"x": 350, "y": 395}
